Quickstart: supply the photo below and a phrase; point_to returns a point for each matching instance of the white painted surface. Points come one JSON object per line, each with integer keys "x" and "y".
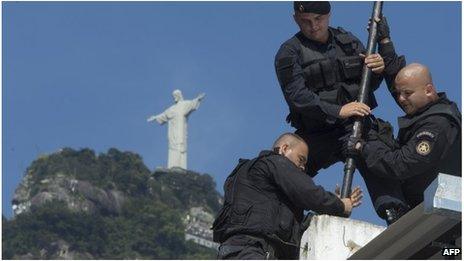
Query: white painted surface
{"x": 202, "y": 241}
{"x": 443, "y": 196}
{"x": 330, "y": 237}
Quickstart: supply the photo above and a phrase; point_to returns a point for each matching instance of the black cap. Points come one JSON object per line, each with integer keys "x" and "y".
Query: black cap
{"x": 317, "y": 7}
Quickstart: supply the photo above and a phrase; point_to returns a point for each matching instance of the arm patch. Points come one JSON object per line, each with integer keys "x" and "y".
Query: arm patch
{"x": 423, "y": 147}
{"x": 426, "y": 134}
{"x": 425, "y": 141}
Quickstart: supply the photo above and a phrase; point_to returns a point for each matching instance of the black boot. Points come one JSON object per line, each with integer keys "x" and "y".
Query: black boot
{"x": 394, "y": 213}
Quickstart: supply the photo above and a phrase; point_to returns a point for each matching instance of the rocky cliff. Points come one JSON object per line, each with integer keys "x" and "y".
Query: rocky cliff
{"x": 76, "y": 204}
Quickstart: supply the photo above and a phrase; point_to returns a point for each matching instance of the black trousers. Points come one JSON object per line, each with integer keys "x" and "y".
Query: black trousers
{"x": 384, "y": 193}
{"x": 326, "y": 149}
{"x": 245, "y": 247}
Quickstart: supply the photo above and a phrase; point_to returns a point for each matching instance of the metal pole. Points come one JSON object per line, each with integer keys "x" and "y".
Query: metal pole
{"x": 350, "y": 165}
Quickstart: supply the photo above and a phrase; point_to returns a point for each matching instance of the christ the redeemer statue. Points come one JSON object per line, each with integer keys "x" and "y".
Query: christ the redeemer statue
{"x": 176, "y": 116}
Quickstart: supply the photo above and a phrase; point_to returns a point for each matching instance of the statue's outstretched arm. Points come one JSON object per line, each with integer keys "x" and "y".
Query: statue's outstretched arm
{"x": 160, "y": 118}
{"x": 151, "y": 118}
{"x": 194, "y": 104}
{"x": 200, "y": 97}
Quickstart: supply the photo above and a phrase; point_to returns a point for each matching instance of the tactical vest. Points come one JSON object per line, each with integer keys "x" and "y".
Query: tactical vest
{"x": 247, "y": 210}
{"x": 326, "y": 75}
{"x": 334, "y": 79}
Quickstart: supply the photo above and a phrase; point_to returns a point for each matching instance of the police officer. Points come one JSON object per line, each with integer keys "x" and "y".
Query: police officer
{"x": 264, "y": 199}
{"x": 319, "y": 71}
{"x": 428, "y": 142}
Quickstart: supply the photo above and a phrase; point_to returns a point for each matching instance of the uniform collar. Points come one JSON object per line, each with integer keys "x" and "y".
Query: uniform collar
{"x": 315, "y": 43}
{"x": 406, "y": 120}
{"x": 441, "y": 99}
{"x": 267, "y": 153}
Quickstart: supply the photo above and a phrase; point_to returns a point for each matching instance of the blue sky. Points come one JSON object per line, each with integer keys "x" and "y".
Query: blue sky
{"x": 88, "y": 74}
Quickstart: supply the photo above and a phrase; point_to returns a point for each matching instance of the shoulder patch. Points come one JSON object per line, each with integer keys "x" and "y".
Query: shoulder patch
{"x": 425, "y": 134}
{"x": 423, "y": 147}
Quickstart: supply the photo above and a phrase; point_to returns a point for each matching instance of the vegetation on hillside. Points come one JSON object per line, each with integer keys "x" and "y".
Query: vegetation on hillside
{"x": 149, "y": 226}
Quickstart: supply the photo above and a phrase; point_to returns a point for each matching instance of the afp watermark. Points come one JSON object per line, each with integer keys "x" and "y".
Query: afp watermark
{"x": 448, "y": 251}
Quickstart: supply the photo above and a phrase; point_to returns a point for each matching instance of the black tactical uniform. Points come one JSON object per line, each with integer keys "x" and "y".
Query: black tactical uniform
{"x": 428, "y": 142}
{"x": 263, "y": 208}
{"x": 316, "y": 80}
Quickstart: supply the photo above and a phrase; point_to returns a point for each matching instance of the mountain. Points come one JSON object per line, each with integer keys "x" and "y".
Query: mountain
{"x": 74, "y": 204}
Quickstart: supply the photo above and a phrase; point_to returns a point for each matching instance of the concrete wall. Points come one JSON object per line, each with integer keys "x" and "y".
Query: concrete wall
{"x": 330, "y": 237}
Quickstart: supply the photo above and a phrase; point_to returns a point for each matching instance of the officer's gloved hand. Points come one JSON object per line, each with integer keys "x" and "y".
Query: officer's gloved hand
{"x": 383, "y": 30}
{"x": 353, "y": 147}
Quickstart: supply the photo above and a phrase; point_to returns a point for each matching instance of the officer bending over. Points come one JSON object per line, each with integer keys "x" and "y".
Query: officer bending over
{"x": 428, "y": 142}
{"x": 264, "y": 200}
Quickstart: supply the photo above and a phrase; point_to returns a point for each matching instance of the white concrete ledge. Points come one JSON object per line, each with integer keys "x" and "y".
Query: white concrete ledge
{"x": 330, "y": 237}
{"x": 443, "y": 196}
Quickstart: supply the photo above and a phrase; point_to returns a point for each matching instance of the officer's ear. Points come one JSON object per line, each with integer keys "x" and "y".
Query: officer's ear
{"x": 430, "y": 89}
{"x": 284, "y": 148}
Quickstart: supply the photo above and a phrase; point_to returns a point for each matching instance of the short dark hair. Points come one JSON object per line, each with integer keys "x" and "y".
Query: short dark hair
{"x": 293, "y": 136}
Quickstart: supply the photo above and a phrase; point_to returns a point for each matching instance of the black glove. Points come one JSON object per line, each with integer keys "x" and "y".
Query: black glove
{"x": 383, "y": 31}
{"x": 382, "y": 131}
{"x": 353, "y": 147}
